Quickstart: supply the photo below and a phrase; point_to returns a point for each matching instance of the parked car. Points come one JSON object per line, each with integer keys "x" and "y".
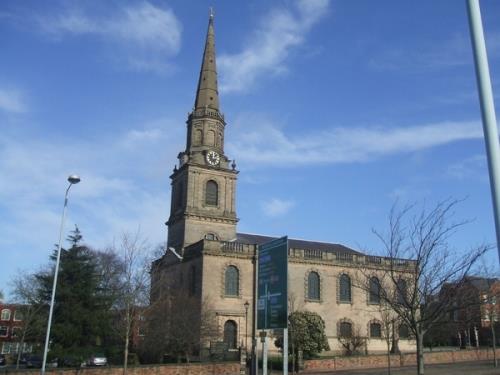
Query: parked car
{"x": 2, "y": 360}
{"x": 34, "y": 361}
{"x": 97, "y": 360}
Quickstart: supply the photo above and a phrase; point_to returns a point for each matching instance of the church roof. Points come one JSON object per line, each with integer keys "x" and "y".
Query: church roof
{"x": 258, "y": 239}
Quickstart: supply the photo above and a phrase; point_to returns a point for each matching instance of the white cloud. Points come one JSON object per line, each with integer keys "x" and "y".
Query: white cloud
{"x": 276, "y": 207}
{"x": 339, "y": 144}
{"x": 147, "y": 33}
{"x": 12, "y": 101}
{"x": 280, "y": 31}
{"x": 456, "y": 51}
{"x": 471, "y": 167}
{"x": 124, "y": 186}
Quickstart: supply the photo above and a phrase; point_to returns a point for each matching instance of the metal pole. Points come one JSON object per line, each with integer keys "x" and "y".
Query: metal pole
{"x": 254, "y": 362}
{"x": 285, "y": 351}
{"x": 246, "y": 328}
{"x": 54, "y": 284}
{"x": 487, "y": 108}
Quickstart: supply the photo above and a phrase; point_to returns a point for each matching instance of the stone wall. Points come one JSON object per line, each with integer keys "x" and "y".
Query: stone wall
{"x": 228, "y": 368}
{"x": 408, "y": 359}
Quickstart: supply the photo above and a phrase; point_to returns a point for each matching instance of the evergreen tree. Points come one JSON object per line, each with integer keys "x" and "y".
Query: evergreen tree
{"x": 82, "y": 317}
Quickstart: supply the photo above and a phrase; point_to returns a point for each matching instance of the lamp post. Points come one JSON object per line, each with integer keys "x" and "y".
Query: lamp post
{"x": 247, "y": 305}
{"x": 73, "y": 179}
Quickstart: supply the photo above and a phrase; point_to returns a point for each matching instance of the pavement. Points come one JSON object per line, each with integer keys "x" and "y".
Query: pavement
{"x": 464, "y": 368}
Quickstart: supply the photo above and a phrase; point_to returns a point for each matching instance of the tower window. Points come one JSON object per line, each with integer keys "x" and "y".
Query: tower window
{"x": 231, "y": 287}
{"x": 211, "y": 193}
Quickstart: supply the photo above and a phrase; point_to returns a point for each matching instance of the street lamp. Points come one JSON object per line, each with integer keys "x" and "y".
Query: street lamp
{"x": 72, "y": 179}
{"x": 247, "y": 305}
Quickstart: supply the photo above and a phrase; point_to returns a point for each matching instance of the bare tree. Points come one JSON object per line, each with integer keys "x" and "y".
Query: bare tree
{"x": 388, "y": 321}
{"x": 352, "y": 342}
{"x": 25, "y": 295}
{"x": 179, "y": 325}
{"x": 133, "y": 286}
{"x": 419, "y": 262}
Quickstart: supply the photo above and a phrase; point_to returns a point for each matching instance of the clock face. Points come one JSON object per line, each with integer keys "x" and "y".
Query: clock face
{"x": 213, "y": 158}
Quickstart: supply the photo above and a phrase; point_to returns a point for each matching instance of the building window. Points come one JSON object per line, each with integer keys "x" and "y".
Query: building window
{"x": 374, "y": 291}
{"x": 18, "y": 315}
{"x": 401, "y": 292}
{"x": 403, "y": 331}
{"x": 231, "y": 281}
{"x": 375, "y": 330}
{"x": 230, "y": 334}
{"x": 313, "y": 292}
{"x": 211, "y": 237}
{"x": 345, "y": 329}
{"x": 15, "y": 331}
{"x": 5, "y": 314}
{"x": 211, "y": 193}
{"x": 345, "y": 288}
{"x": 4, "y": 331}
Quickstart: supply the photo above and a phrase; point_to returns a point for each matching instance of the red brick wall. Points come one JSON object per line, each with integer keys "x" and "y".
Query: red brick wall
{"x": 373, "y": 361}
{"x": 228, "y": 368}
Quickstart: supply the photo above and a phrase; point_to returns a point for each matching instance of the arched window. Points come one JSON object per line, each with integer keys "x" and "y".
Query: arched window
{"x": 211, "y": 193}
{"x": 375, "y": 329}
{"x": 231, "y": 281}
{"x": 313, "y": 291}
{"x": 198, "y": 136}
{"x": 210, "y": 138}
{"x": 211, "y": 236}
{"x": 345, "y": 329}
{"x": 5, "y": 314}
{"x": 374, "y": 290}
{"x": 230, "y": 334}
{"x": 403, "y": 331}
{"x": 345, "y": 288}
{"x": 401, "y": 291}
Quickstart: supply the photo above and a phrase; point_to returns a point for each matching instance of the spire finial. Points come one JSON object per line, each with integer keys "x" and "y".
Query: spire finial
{"x": 212, "y": 14}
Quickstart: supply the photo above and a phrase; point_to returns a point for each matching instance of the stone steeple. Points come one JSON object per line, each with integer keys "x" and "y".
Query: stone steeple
{"x": 207, "y": 94}
{"x": 203, "y": 204}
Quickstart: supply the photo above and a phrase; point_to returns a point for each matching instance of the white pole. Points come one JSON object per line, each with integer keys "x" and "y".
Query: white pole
{"x": 73, "y": 179}
{"x": 285, "y": 351}
{"x": 487, "y": 108}
{"x": 264, "y": 356}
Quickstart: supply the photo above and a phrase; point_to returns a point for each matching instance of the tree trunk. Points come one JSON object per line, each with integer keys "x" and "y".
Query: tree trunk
{"x": 127, "y": 338}
{"x": 388, "y": 357}
{"x": 420, "y": 353}
{"x": 20, "y": 351}
{"x": 493, "y": 336}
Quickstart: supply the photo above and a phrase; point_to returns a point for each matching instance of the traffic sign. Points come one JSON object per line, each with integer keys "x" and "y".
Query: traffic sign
{"x": 272, "y": 292}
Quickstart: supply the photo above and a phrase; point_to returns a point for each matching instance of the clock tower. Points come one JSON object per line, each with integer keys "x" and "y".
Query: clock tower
{"x": 204, "y": 182}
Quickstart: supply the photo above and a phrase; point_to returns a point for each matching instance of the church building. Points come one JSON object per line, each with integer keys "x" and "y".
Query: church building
{"x": 207, "y": 257}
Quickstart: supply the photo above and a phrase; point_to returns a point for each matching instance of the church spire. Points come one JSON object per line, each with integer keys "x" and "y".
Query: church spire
{"x": 207, "y": 94}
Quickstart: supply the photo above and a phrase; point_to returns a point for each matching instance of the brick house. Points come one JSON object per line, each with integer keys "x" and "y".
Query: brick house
{"x": 11, "y": 324}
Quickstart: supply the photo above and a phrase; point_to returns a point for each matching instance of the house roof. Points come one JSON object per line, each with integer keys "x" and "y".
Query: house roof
{"x": 480, "y": 283}
{"x": 259, "y": 239}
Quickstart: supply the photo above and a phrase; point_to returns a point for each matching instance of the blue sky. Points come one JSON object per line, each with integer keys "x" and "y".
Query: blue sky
{"x": 335, "y": 109}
